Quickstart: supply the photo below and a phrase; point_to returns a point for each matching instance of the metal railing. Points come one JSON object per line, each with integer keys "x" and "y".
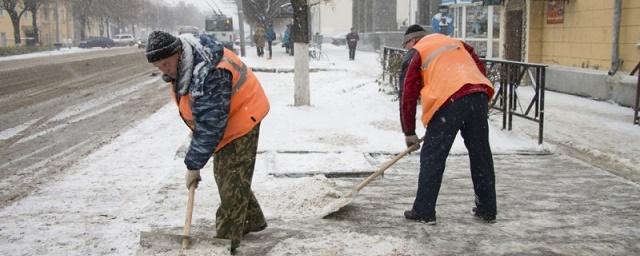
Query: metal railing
{"x": 506, "y": 76}
{"x": 636, "y": 109}
{"x": 391, "y": 64}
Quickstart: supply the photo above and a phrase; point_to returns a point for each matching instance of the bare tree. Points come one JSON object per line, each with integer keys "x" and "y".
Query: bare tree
{"x": 84, "y": 10}
{"x": 33, "y": 6}
{"x": 16, "y": 9}
{"x": 262, "y": 12}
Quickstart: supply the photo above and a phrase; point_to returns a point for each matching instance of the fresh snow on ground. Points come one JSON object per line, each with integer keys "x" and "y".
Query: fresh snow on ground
{"x": 135, "y": 183}
{"x": 51, "y": 53}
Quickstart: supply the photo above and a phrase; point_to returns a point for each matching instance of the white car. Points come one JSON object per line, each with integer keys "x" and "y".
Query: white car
{"x": 124, "y": 39}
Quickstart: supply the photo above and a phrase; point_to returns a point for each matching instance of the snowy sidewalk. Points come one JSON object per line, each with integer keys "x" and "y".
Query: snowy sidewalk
{"x": 600, "y": 133}
{"x": 548, "y": 204}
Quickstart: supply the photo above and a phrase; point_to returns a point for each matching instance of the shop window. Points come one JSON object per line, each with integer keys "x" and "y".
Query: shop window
{"x": 476, "y": 25}
{"x": 496, "y": 23}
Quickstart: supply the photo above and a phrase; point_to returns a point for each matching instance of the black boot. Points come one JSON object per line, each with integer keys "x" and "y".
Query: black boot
{"x": 234, "y": 245}
{"x": 412, "y": 215}
{"x": 484, "y": 217}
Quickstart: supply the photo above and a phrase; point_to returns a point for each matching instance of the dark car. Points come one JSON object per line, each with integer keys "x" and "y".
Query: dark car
{"x": 103, "y": 42}
{"x": 142, "y": 43}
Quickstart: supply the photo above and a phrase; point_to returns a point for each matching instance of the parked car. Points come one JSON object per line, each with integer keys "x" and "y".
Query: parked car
{"x": 339, "y": 39}
{"x": 142, "y": 43}
{"x": 188, "y": 29}
{"x": 124, "y": 39}
{"x": 97, "y": 41}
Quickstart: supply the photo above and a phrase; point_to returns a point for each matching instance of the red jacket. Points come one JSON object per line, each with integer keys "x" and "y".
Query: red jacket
{"x": 411, "y": 79}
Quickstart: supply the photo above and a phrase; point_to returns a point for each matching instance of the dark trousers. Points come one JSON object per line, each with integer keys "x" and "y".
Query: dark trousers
{"x": 270, "y": 50}
{"x": 352, "y": 51}
{"x": 469, "y": 116}
{"x": 260, "y": 51}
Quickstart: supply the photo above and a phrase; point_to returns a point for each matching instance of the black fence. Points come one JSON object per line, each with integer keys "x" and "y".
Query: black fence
{"x": 636, "y": 109}
{"x": 391, "y": 64}
{"x": 506, "y": 76}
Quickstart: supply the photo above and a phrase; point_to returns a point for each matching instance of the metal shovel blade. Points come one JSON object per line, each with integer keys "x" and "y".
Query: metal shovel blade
{"x": 344, "y": 201}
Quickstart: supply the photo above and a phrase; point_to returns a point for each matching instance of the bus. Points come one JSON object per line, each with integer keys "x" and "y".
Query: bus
{"x": 220, "y": 27}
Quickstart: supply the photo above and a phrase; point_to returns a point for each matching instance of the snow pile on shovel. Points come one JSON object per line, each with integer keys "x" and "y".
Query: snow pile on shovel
{"x": 294, "y": 198}
{"x": 346, "y": 244}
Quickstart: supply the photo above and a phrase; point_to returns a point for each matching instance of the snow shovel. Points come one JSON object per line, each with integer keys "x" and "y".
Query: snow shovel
{"x": 344, "y": 201}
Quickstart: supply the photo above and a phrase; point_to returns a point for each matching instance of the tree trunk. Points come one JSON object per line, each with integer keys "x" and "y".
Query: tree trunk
{"x": 83, "y": 25}
{"x": 300, "y": 37}
{"x": 15, "y": 20}
{"x": 34, "y": 23}
{"x": 301, "y": 76}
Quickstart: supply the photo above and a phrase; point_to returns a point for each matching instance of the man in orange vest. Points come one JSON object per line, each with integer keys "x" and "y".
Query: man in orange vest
{"x": 222, "y": 102}
{"x": 450, "y": 81}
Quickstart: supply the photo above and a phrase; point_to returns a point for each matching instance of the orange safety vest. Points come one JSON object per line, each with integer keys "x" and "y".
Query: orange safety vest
{"x": 446, "y": 67}
{"x": 248, "y": 106}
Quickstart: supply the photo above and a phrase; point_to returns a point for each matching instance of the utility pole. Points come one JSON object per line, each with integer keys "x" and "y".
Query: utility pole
{"x": 241, "y": 25}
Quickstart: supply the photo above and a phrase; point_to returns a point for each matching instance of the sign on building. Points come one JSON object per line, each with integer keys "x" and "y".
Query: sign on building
{"x": 555, "y": 12}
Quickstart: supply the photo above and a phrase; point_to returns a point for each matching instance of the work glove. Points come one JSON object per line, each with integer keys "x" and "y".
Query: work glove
{"x": 412, "y": 142}
{"x": 192, "y": 178}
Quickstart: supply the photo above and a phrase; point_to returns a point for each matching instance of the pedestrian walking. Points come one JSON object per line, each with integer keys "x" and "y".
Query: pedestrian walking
{"x": 450, "y": 80}
{"x": 286, "y": 39}
{"x": 223, "y": 103}
{"x": 259, "y": 37}
{"x": 352, "y": 42}
{"x": 271, "y": 35}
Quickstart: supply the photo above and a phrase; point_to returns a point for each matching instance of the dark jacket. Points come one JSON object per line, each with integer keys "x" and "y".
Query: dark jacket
{"x": 353, "y": 38}
{"x": 271, "y": 35}
{"x": 210, "y": 89}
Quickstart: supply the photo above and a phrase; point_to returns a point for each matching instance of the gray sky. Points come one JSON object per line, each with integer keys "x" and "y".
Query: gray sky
{"x": 227, "y": 9}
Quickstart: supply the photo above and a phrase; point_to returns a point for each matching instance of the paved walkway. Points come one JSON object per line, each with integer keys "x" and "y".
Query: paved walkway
{"x": 547, "y": 204}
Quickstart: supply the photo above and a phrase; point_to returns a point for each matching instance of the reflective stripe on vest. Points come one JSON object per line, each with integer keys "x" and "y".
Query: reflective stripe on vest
{"x": 242, "y": 70}
{"x": 446, "y": 67}
{"x": 434, "y": 54}
{"x": 247, "y": 107}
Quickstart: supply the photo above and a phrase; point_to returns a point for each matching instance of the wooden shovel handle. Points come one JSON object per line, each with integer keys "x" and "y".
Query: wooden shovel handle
{"x": 383, "y": 168}
{"x": 187, "y": 222}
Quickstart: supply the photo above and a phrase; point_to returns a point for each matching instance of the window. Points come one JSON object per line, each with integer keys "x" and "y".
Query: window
{"x": 478, "y": 26}
{"x": 476, "y": 22}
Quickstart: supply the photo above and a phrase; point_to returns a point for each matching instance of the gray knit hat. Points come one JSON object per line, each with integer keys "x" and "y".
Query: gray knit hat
{"x": 162, "y": 45}
{"x": 413, "y": 31}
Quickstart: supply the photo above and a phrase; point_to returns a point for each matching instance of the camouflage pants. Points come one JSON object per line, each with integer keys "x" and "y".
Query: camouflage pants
{"x": 239, "y": 210}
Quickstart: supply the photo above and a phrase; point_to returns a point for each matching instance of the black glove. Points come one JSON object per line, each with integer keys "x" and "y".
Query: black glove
{"x": 412, "y": 142}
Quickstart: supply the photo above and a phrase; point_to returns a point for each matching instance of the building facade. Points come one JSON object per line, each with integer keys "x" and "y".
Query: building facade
{"x": 7, "y": 38}
{"x": 55, "y": 21}
{"x": 580, "y": 33}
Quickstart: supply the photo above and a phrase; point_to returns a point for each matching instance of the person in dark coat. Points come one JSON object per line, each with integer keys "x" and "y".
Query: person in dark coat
{"x": 271, "y": 35}
{"x": 352, "y": 42}
{"x": 450, "y": 81}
